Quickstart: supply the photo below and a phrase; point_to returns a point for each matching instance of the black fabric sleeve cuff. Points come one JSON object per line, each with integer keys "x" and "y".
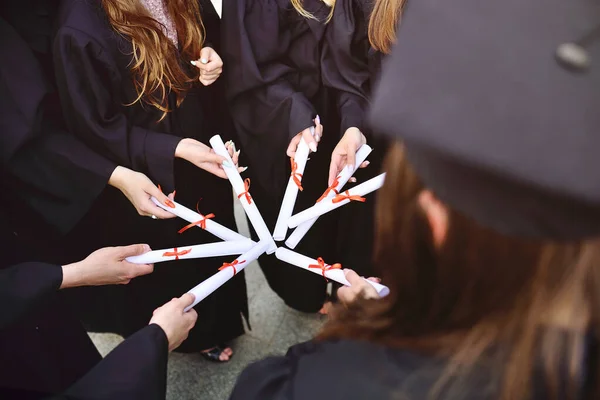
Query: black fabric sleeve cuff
{"x": 158, "y": 154}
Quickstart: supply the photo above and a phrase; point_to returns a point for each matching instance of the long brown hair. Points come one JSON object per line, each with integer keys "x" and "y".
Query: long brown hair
{"x": 479, "y": 292}
{"x": 157, "y": 64}
{"x": 383, "y": 22}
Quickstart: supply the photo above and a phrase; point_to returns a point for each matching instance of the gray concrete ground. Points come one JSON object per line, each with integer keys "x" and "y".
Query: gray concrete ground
{"x": 275, "y": 327}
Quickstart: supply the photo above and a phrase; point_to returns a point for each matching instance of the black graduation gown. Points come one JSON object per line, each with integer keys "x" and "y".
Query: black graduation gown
{"x": 350, "y": 69}
{"x": 351, "y": 370}
{"x": 94, "y": 81}
{"x": 134, "y": 370}
{"x": 272, "y": 69}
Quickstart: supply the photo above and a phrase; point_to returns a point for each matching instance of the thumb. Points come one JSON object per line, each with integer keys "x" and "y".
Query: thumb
{"x": 352, "y": 277}
{"x": 186, "y": 300}
{"x": 132, "y": 250}
{"x": 350, "y": 156}
{"x": 310, "y": 140}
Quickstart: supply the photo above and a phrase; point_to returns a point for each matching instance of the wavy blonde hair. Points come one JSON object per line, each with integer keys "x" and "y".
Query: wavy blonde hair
{"x": 156, "y": 67}
{"x": 383, "y": 22}
{"x": 302, "y": 11}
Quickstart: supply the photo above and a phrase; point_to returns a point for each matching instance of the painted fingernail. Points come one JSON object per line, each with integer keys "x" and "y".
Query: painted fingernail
{"x": 318, "y": 138}
{"x": 193, "y": 63}
{"x": 313, "y": 147}
{"x": 237, "y": 153}
{"x": 318, "y": 120}
{"x": 203, "y": 60}
{"x": 233, "y": 144}
{"x": 243, "y": 169}
{"x": 352, "y": 180}
{"x": 226, "y": 163}
{"x": 367, "y": 162}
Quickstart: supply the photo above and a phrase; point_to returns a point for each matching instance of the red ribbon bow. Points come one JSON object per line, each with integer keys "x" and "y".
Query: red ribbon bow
{"x": 346, "y": 196}
{"x": 325, "y": 267}
{"x": 168, "y": 202}
{"x": 232, "y": 265}
{"x": 330, "y": 188}
{"x": 176, "y": 253}
{"x": 201, "y": 223}
{"x": 246, "y": 193}
{"x": 297, "y": 177}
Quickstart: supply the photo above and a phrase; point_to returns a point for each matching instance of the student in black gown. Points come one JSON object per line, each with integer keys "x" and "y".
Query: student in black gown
{"x": 272, "y": 51}
{"x": 358, "y": 37}
{"x": 156, "y": 128}
{"x": 488, "y": 226}
{"x": 134, "y": 370}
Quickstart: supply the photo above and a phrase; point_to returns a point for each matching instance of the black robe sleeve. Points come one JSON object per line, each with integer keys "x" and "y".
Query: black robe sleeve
{"x": 89, "y": 82}
{"x": 47, "y": 169}
{"x": 25, "y": 286}
{"x": 345, "y": 62}
{"x": 136, "y": 369}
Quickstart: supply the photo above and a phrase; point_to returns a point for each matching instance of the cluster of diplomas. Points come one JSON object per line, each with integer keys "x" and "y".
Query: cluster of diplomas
{"x": 234, "y": 244}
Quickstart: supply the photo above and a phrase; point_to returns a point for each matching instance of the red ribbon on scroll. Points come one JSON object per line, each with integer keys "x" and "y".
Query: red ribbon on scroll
{"x": 176, "y": 253}
{"x": 346, "y": 196}
{"x": 330, "y": 188}
{"x": 325, "y": 267}
{"x": 232, "y": 265}
{"x": 246, "y": 193}
{"x": 297, "y": 177}
{"x": 168, "y": 202}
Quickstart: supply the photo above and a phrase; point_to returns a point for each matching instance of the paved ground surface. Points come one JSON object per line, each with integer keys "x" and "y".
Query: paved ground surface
{"x": 275, "y": 328}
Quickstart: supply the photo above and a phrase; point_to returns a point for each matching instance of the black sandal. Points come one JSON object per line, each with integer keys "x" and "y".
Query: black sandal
{"x": 214, "y": 354}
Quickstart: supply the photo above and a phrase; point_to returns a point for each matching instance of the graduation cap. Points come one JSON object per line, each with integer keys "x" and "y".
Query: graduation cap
{"x": 498, "y": 104}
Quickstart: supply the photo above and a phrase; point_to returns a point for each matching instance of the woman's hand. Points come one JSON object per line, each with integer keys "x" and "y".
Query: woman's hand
{"x": 359, "y": 288}
{"x": 210, "y": 66}
{"x": 138, "y": 189}
{"x": 345, "y": 152}
{"x": 311, "y": 141}
{"x": 106, "y": 266}
{"x": 204, "y": 157}
{"x": 174, "y": 321}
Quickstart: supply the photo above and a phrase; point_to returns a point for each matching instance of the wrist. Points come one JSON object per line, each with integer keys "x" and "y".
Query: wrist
{"x": 116, "y": 178}
{"x": 72, "y": 276}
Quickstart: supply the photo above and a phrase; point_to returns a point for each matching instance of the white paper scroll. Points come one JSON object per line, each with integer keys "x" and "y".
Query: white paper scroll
{"x": 291, "y": 192}
{"x": 198, "y": 251}
{"x": 337, "y": 275}
{"x": 240, "y": 190}
{"x": 211, "y": 226}
{"x": 204, "y": 289}
{"x": 361, "y": 155}
{"x": 328, "y": 205}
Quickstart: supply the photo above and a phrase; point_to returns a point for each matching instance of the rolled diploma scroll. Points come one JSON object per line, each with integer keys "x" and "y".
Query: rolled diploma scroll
{"x": 327, "y": 205}
{"x": 291, "y": 192}
{"x": 238, "y": 187}
{"x": 343, "y": 177}
{"x": 198, "y": 251}
{"x": 337, "y": 275}
{"x": 211, "y": 226}
{"x": 204, "y": 289}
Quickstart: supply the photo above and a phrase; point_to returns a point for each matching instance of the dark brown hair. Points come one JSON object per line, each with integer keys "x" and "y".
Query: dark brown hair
{"x": 157, "y": 64}
{"x": 480, "y": 290}
{"x": 383, "y": 22}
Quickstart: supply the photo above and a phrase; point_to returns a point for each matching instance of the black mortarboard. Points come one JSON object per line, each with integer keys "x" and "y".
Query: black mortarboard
{"x": 498, "y": 103}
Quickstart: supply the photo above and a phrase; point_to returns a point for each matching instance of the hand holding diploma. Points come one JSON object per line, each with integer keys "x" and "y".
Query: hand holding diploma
{"x": 242, "y": 190}
{"x": 327, "y": 205}
{"x": 359, "y": 288}
{"x": 226, "y": 272}
{"x": 198, "y": 251}
{"x": 334, "y": 188}
{"x": 333, "y": 272}
{"x": 346, "y": 152}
